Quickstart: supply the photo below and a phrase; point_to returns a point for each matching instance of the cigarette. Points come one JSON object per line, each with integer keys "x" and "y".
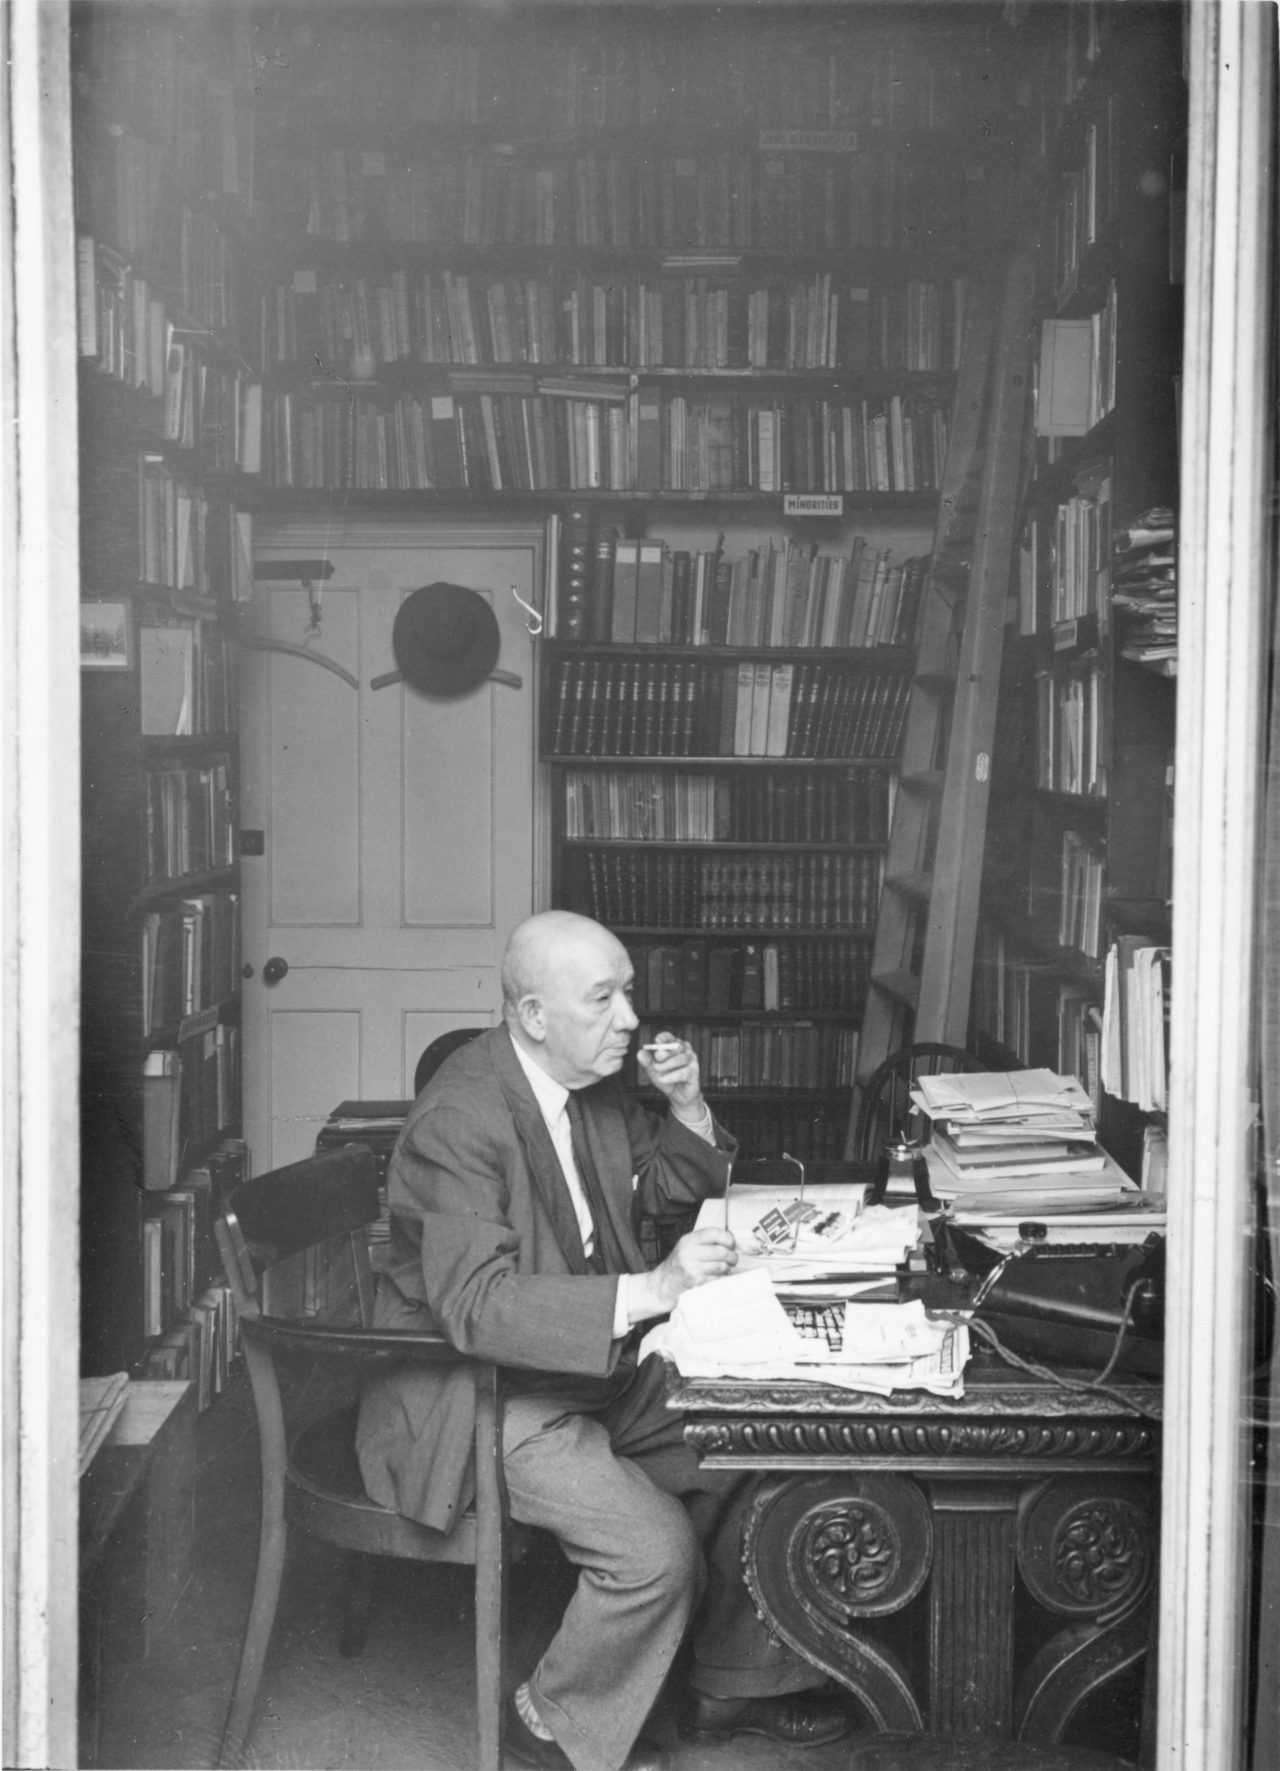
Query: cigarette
{"x": 664, "y": 1045}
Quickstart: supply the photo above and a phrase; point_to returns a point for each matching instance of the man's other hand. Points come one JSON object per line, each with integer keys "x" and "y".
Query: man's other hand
{"x": 697, "y": 1257}
{"x": 671, "y": 1065}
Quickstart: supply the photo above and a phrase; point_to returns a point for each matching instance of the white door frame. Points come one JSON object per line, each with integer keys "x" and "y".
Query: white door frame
{"x": 39, "y": 665}
{"x": 1224, "y": 606}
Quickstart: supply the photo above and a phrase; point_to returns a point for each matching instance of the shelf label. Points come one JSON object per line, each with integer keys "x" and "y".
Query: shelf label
{"x": 809, "y": 141}
{"x": 1065, "y": 634}
{"x": 813, "y": 504}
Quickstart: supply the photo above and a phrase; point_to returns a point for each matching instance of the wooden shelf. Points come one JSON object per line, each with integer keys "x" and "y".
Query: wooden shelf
{"x": 781, "y": 845}
{"x": 869, "y": 657}
{"x": 189, "y": 885}
{"x": 360, "y": 500}
{"x": 555, "y": 760}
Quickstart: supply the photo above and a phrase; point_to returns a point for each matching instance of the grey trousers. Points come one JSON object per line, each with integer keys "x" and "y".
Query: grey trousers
{"x": 657, "y": 1542}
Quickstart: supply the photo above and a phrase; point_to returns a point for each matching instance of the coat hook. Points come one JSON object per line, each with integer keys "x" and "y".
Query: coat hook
{"x": 535, "y": 624}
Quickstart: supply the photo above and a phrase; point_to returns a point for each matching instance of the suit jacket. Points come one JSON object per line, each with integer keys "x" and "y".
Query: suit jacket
{"x": 485, "y": 1246}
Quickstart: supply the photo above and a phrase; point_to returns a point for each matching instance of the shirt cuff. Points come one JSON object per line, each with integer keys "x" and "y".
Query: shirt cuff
{"x": 703, "y": 1128}
{"x": 621, "y": 1319}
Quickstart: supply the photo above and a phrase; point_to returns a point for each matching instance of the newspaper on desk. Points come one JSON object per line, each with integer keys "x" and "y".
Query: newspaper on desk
{"x": 736, "y": 1327}
{"x": 824, "y": 1232}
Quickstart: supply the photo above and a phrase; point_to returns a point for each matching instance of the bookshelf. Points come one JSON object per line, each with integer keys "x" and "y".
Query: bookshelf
{"x": 655, "y": 279}
{"x": 169, "y": 416}
{"x": 1077, "y": 880}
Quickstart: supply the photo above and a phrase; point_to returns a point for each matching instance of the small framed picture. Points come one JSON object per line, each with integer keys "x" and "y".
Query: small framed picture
{"x": 106, "y": 636}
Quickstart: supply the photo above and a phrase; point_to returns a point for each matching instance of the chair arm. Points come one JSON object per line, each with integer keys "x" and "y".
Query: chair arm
{"x": 349, "y": 1340}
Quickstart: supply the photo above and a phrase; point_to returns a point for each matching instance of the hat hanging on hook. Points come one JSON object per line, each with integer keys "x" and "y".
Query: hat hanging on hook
{"x": 446, "y": 642}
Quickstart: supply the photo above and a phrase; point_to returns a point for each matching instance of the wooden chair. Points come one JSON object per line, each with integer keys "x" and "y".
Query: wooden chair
{"x": 435, "y": 1054}
{"x": 885, "y": 1112}
{"x": 294, "y": 1244}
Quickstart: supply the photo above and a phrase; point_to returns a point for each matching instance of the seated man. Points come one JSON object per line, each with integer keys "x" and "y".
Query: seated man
{"x": 513, "y": 1189}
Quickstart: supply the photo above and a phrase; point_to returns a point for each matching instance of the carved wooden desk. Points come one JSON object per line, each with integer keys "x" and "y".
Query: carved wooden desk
{"x": 972, "y": 1566}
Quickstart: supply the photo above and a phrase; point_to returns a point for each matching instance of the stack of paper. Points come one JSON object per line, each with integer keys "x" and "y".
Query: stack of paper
{"x": 825, "y": 1231}
{"x": 1025, "y": 1136}
{"x": 736, "y": 1327}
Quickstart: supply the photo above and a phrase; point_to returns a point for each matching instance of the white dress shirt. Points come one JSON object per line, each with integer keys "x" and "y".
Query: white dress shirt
{"x": 553, "y": 1098}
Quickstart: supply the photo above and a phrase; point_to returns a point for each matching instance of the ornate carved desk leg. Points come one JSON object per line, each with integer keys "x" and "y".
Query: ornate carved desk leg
{"x": 971, "y": 1607}
{"x": 822, "y": 1552}
{"x": 1087, "y": 1552}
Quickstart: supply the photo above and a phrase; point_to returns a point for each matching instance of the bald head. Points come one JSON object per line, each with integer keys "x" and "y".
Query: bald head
{"x": 566, "y": 996}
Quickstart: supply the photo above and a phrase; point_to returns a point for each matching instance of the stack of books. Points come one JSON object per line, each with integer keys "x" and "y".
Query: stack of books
{"x": 1016, "y": 1141}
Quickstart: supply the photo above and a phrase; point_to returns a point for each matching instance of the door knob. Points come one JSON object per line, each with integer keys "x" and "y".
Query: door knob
{"x": 274, "y": 970}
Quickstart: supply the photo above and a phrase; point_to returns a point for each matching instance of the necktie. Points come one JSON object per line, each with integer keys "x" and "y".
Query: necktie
{"x": 606, "y": 1255}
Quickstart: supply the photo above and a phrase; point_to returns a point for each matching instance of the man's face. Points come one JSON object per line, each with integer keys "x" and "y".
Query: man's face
{"x": 588, "y": 1019}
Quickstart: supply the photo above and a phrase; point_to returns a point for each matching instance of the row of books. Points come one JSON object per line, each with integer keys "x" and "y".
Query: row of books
{"x": 173, "y": 255}
{"x": 1079, "y": 563}
{"x": 168, "y": 103}
{"x": 190, "y": 1097}
{"x": 1002, "y": 992}
{"x": 180, "y": 1257}
{"x": 769, "y": 1054}
{"x": 188, "y": 682}
{"x": 704, "y": 977}
{"x": 876, "y": 197}
{"x": 202, "y": 1348}
{"x": 826, "y": 321}
{"x": 675, "y": 889}
{"x": 1081, "y": 887}
{"x": 190, "y": 958}
{"x": 188, "y": 821}
{"x": 813, "y": 1130}
{"x": 1076, "y": 384}
{"x": 785, "y": 593}
{"x": 1135, "y": 1023}
{"x": 188, "y": 538}
{"x": 1087, "y": 200}
{"x": 894, "y": 444}
{"x": 560, "y": 76}
{"x": 127, "y": 328}
{"x": 1071, "y": 727}
{"x": 664, "y": 707}
{"x": 1145, "y": 594}
{"x": 1080, "y": 1039}
{"x": 760, "y": 805}
{"x": 544, "y": 435}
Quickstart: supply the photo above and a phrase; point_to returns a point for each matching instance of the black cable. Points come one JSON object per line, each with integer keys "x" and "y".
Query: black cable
{"x": 1096, "y": 1385}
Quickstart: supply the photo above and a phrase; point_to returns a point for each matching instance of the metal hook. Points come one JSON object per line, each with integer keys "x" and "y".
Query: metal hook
{"x": 536, "y": 624}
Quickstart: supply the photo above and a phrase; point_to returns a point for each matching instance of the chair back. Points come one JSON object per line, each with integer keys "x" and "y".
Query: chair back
{"x": 439, "y": 1049}
{"x": 886, "y": 1113}
{"x": 295, "y": 1242}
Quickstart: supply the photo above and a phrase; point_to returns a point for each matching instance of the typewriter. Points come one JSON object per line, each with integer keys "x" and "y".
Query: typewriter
{"x": 1064, "y": 1302}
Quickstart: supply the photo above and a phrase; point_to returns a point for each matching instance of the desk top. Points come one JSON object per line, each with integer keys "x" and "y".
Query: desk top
{"x": 989, "y": 1390}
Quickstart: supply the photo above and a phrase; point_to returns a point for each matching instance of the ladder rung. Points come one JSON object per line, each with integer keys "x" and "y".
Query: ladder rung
{"x": 903, "y": 987}
{"x": 911, "y": 885}
{"x": 926, "y": 782}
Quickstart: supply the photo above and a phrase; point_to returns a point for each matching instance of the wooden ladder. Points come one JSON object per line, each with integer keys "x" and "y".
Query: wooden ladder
{"x": 922, "y": 962}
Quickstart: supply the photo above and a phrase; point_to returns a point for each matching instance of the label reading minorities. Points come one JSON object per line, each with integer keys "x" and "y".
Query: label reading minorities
{"x": 813, "y": 504}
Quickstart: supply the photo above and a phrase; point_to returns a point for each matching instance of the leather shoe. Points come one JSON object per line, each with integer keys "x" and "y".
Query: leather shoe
{"x": 548, "y": 1755}
{"x": 797, "y": 1718}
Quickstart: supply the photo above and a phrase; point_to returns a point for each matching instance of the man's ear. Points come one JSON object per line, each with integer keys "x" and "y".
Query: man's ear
{"x": 532, "y": 1018}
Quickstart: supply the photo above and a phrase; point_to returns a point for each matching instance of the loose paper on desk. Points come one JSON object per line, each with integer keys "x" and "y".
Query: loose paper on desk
{"x": 826, "y": 1233}
{"x": 736, "y": 1327}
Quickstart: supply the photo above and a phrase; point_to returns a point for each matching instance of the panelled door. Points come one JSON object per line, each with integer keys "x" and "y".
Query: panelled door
{"x": 396, "y": 831}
